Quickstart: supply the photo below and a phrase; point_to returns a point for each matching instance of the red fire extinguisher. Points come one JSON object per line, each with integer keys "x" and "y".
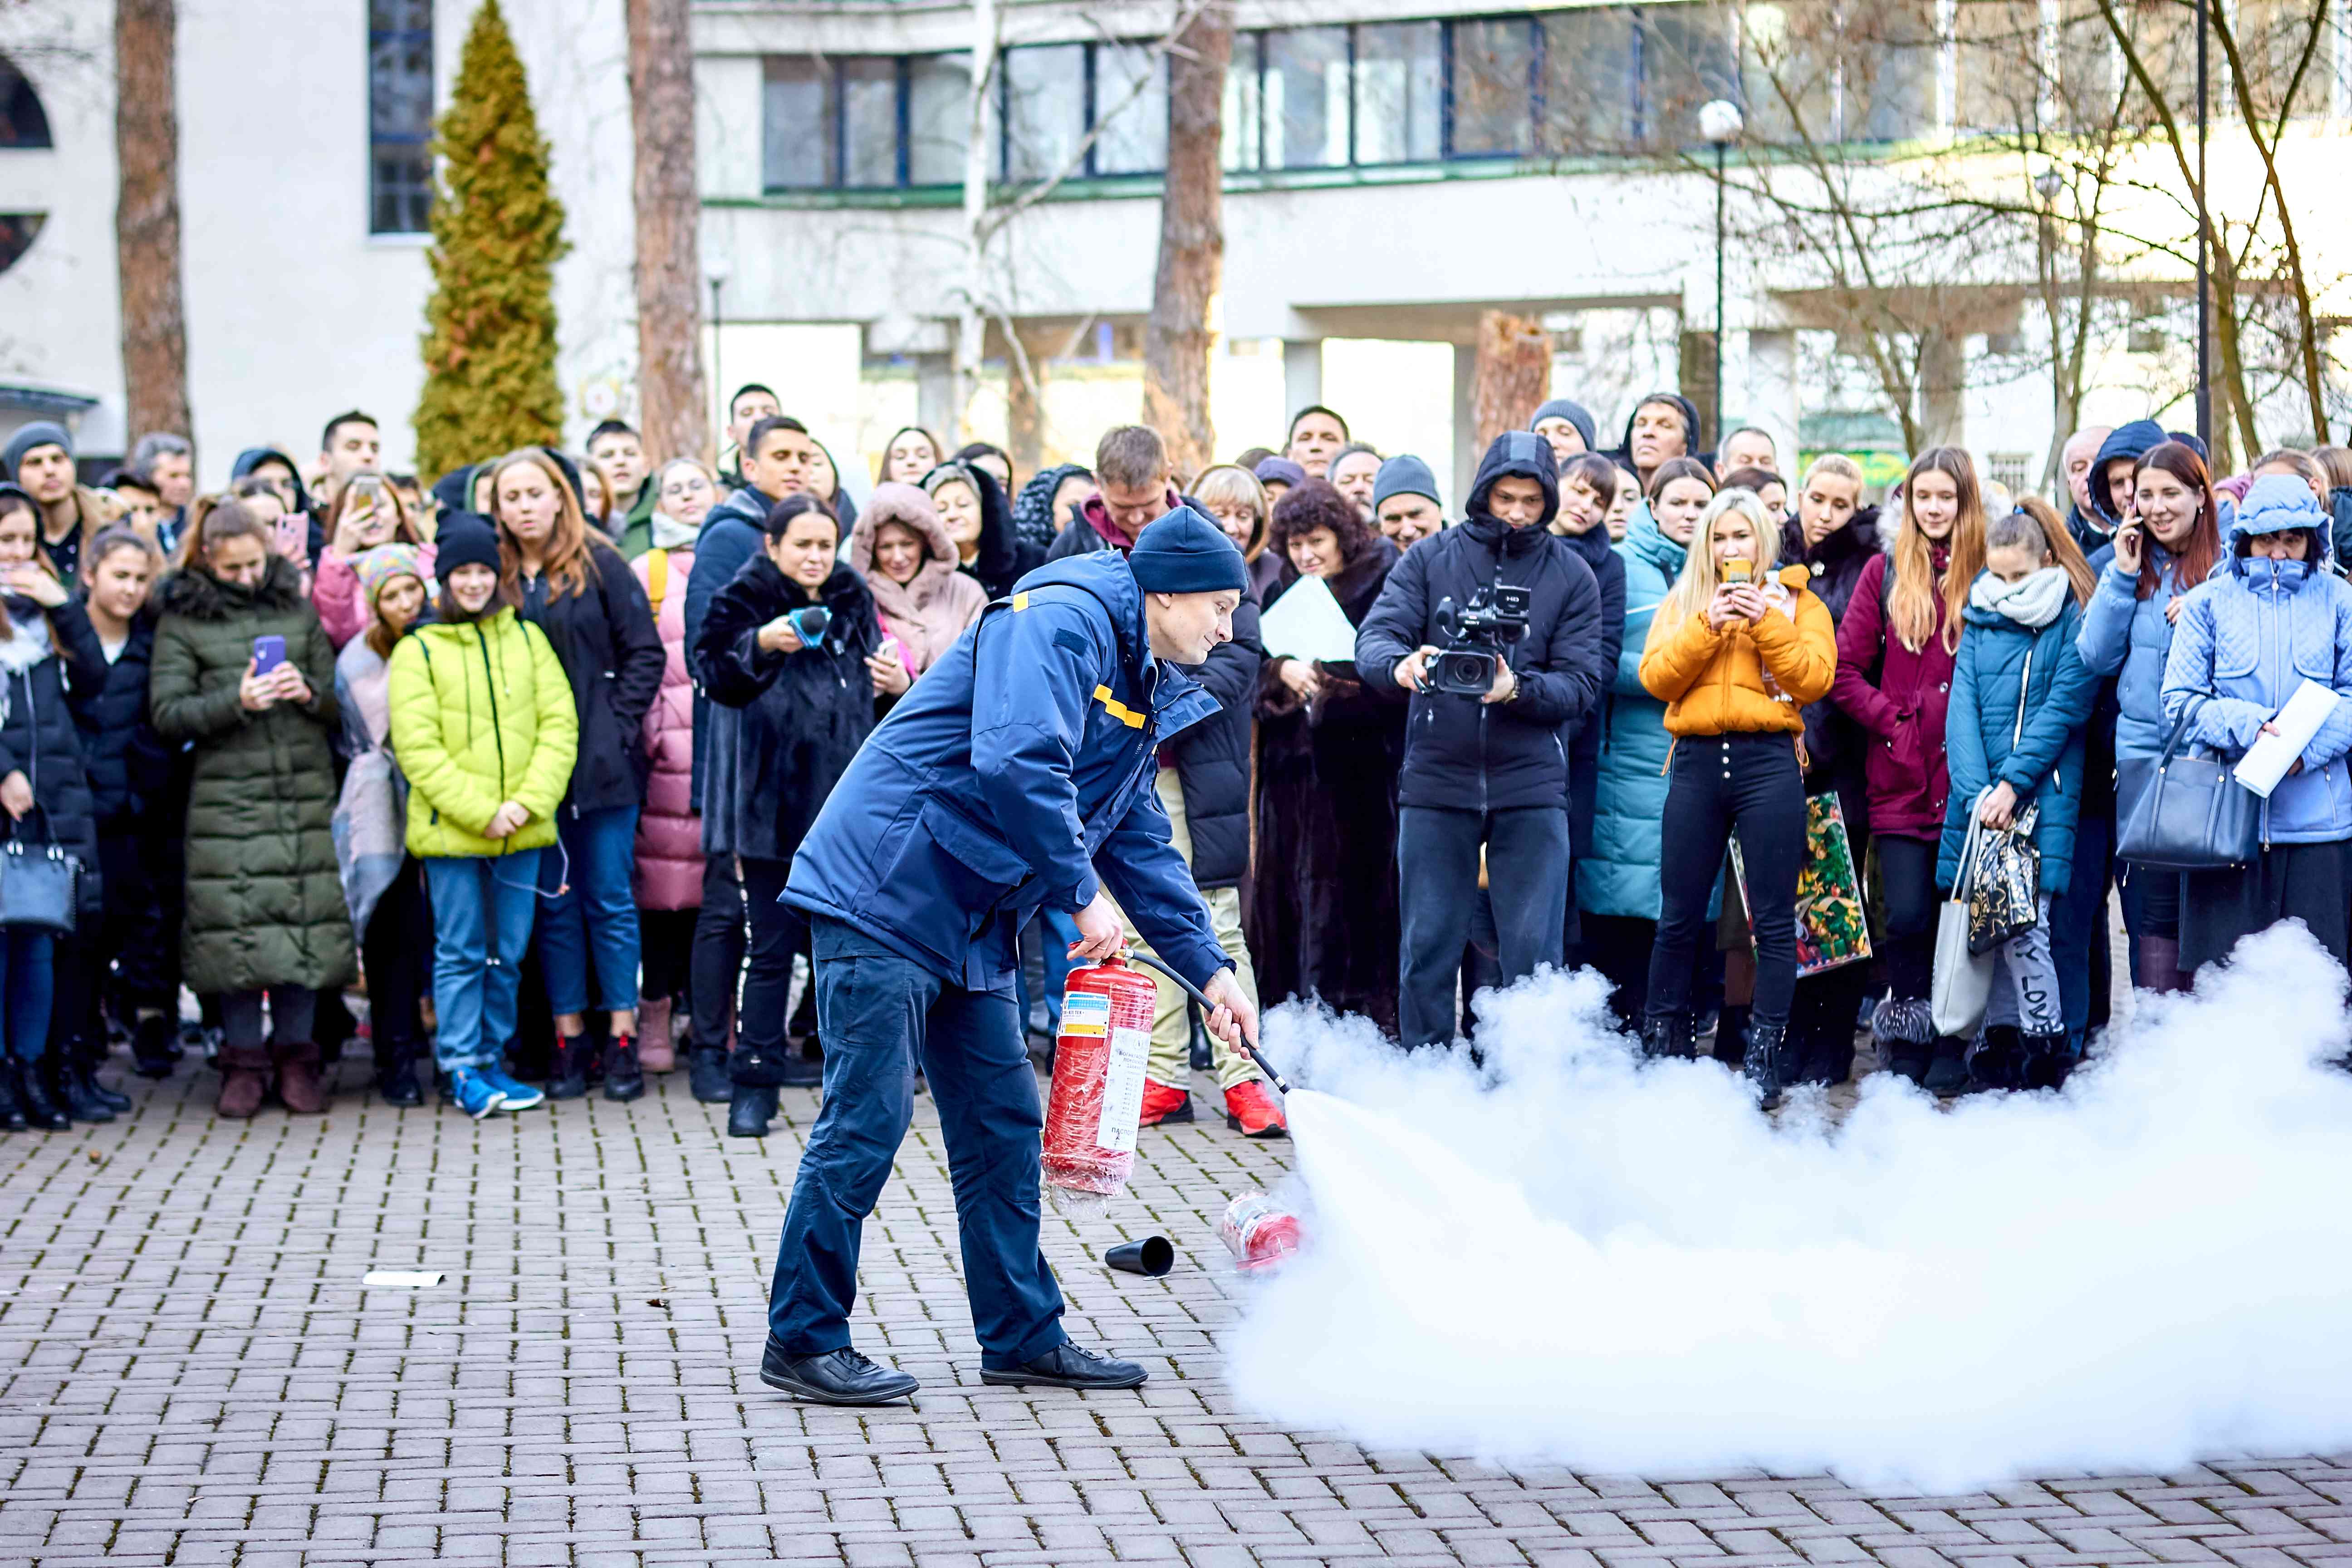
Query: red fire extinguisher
{"x": 1097, "y": 1105}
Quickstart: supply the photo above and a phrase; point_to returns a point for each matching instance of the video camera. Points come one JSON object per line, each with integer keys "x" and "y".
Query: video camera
{"x": 1476, "y": 636}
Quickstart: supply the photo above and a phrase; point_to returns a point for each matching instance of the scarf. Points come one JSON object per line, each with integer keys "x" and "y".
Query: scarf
{"x": 671, "y": 535}
{"x": 2032, "y": 602}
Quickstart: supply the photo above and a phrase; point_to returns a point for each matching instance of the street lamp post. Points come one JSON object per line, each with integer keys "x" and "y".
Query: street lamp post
{"x": 1720, "y": 122}
{"x": 716, "y": 269}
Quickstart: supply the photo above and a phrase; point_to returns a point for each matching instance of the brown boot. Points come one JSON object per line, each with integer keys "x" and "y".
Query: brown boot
{"x": 245, "y": 1080}
{"x": 654, "y": 1052}
{"x": 299, "y": 1083}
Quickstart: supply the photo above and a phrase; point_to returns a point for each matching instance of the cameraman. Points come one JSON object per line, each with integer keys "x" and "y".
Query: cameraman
{"x": 1490, "y": 769}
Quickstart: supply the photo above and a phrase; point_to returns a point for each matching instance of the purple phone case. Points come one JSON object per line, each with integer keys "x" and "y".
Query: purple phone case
{"x": 269, "y": 653}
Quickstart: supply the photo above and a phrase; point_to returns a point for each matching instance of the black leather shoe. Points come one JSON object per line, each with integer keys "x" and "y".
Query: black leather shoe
{"x": 398, "y": 1085}
{"x": 836, "y": 1377}
{"x": 798, "y": 1072}
{"x": 1067, "y": 1366}
{"x": 624, "y": 1078}
{"x": 152, "y": 1046}
{"x": 112, "y": 1099}
{"x": 41, "y": 1109}
{"x": 71, "y": 1086}
{"x": 570, "y": 1079}
{"x": 706, "y": 1075}
{"x": 749, "y": 1110}
{"x": 12, "y": 1109}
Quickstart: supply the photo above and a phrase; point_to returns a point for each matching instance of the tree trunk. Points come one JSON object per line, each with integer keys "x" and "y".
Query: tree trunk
{"x": 147, "y": 217}
{"x": 1025, "y": 407}
{"x": 1513, "y": 376}
{"x": 672, "y": 413}
{"x": 1191, "y": 242}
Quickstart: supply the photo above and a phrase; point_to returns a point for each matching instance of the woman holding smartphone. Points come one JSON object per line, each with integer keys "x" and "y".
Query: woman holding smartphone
{"x": 1896, "y": 647}
{"x": 244, "y": 675}
{"x": 2168, "y": 543}
{"x": 367, "y": 513}
{"x": 1736, "y": 651}
{"x": 576, "y": 588}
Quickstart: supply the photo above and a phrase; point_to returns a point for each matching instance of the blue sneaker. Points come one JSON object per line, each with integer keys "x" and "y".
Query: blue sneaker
{"x": 516, "y": 1094}
{"x": 472, "y": 1092}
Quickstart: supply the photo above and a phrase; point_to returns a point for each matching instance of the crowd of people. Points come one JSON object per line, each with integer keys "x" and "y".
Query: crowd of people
{"x": 526, "y": 756}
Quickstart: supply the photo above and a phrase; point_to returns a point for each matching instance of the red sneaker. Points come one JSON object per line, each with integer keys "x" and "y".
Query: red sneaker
{"x": 1163, "y": 1105}
{"x": 1251, "y": 1111}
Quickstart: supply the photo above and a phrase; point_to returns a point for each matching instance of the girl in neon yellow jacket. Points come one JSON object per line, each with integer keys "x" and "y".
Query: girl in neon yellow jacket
{"x": 484, "y": 729}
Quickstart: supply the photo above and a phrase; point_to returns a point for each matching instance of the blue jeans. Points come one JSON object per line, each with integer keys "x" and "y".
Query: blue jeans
{"x": 880, "y": 1013}
{"x": 482, "y": 909}
{"x": 1437, "y": 867}
{"x": 591, "y": 910}
{"x": 28, "y": 983}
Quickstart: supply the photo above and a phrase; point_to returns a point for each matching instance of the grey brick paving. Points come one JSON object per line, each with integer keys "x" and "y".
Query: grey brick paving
{"x": 191, "y": 1372}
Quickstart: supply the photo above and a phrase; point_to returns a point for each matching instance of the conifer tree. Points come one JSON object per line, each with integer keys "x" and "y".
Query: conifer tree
{"x": 498, "y": 229}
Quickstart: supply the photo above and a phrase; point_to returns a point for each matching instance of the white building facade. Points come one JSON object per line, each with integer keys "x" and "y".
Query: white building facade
{"x": 1395, "y": 168}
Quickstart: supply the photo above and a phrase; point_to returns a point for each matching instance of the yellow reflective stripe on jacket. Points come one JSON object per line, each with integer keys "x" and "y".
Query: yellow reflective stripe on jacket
{"x": 1119, "y": 710}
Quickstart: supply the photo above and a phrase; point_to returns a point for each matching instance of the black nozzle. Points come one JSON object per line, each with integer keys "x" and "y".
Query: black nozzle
{"x": 1154, "y": 1256}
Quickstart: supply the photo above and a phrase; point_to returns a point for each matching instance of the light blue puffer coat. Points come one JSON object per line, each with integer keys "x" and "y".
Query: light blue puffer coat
{"x": 2251, "y": 636}
{"x": 2019, "y": 699}
{"x": 1619, "y": 876}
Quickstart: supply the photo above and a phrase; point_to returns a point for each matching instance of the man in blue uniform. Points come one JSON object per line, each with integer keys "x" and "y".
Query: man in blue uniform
{"x": 1017, "y": 773}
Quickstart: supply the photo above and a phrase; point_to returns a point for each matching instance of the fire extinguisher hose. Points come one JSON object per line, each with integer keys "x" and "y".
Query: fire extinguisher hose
{"x": 1254, "y": 1053}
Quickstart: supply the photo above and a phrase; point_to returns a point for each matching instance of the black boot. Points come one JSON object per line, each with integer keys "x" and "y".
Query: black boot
{"x": 1669, "y": 1035}
{"x": 624, "y": 1076}
{"x": 1999, "y": 1061}
{"x": 154, "y": 1046}
{"x": 570, "y": 1079}
{"x": 114, "y": 1100}
{"x": 2048, "y": 1059}
{"x": 748, "y": 1109}
{"x": 1904, "y": 1028}
{"x": 1761, "y": 1062}
{"x": 11, "y": 1105}
{"x": 397, "y": 1085}
{"x": 70, "y": 1085}
{"x": 41, "y": 1108}
{"x": 706, "y": 1075}
{"x": 803, "y": 1069}
{"x": 1947, "y": 1073}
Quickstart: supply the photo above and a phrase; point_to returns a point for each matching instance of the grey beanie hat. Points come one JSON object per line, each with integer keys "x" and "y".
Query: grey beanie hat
{"x": 1405, "y": 474}
{"x": 1576, "y": 414}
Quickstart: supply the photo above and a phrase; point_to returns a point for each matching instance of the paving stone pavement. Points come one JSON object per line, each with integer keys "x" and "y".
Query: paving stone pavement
{"x": 192, "y": 1373}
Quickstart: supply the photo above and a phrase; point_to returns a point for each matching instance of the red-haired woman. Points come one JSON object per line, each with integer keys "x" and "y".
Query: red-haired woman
{"x": 2169, "y": 542}
{"x": 1895, "y": 649}
{"x": 576, "y": 588}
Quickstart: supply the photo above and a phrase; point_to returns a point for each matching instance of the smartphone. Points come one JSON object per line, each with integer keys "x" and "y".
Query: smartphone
{"x": 366, "y": 495}
{"x": 269, "y": 653}
{"x": 1737, "y": 574}
{"x": 292, "y": 536}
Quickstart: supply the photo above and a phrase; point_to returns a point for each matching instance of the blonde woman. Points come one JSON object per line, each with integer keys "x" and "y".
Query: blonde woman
{"x": 1232, "y": 496}
{"x": 1895, "y": 649}
{"x": 1736, "y": 651}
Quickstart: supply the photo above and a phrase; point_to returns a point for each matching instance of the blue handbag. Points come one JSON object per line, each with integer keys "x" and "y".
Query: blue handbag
{"x": 2191, "y": 814}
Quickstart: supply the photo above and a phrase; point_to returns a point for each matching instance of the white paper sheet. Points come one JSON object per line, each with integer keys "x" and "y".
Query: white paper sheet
{"x": 1307, "y": 622}
{"x": 2268, "y": 759}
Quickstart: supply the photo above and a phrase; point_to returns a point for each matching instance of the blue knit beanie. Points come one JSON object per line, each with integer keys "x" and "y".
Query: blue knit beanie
{"x": 1184, "y": 552}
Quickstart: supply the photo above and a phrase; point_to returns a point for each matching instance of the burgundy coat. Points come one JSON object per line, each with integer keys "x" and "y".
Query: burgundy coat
{"x": 1898, "y": 697}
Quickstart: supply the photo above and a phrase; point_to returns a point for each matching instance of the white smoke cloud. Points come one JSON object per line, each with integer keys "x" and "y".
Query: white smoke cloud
{"x": 1571, "y": 1256}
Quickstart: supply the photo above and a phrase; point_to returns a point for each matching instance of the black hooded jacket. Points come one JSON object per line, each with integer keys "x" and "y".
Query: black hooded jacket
{"x": 1212, "y": 758}
{"x": 1834, "y": 744}
{"x": 129, "y": 767}
{"x": 1462, "y": 753}
{"x": 604, "y": 636}
{"x": 1003, "y": 559}
{"x": 783, "y": 726}
{"x": 2135, "y": 440}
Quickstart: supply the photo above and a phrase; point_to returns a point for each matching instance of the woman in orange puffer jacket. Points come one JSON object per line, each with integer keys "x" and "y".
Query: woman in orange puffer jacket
{"x": 1735, "y": 652}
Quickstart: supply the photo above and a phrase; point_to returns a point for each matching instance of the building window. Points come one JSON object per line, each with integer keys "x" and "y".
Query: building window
{"x": 1496, "y": 90}
{"x": 1309, "y": 112}
{"x": 939, "y": 118}
{"x": 23, "y": 122}
{"x": 1130, "y": 103}
{"x": 1400, "y": 92}
{"x": 400, "y": 116}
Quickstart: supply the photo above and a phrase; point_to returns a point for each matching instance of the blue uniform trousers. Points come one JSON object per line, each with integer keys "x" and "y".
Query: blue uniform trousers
{"x": 878, "y": 1013}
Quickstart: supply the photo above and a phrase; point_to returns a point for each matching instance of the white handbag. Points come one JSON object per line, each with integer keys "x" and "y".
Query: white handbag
{"x": 1963, "y": 985}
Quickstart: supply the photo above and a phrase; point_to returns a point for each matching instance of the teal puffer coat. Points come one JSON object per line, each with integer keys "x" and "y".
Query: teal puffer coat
{"x": 2019, "y": 723}
{"x": 1619, "y": 876}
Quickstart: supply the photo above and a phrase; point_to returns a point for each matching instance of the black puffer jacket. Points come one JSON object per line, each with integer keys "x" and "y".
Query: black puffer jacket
{"x": 1212, "y": 758}
{"x": 130, "y": 767}
{"x": 782, "y": 726}
{"x": 39, "y": 739}
{"x": 1835, "y": 745}
{"x": 605, "y": 638}
{"x": 1460, "y": 753}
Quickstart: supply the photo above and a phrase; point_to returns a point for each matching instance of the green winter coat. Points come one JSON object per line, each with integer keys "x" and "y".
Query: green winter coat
{"x": 481, "y": 714}
{"x": 265, "y": 897}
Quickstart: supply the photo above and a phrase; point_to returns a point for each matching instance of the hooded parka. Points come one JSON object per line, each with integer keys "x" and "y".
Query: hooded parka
{"x": 481, "y": 714}
{"x": 932, "y": 609}
{"x": 265, "y": 900}
{"x": 1463, "y": 754}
